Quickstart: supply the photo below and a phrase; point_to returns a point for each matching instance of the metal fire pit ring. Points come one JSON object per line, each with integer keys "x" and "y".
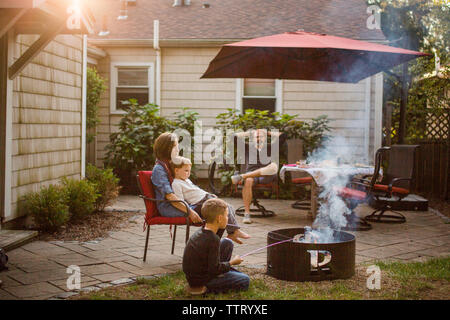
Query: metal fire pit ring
{"x": 294, "y": 261}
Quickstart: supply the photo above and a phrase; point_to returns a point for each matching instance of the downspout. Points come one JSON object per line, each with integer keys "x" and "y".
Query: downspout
{"x": 378, "y": 126}
{"x": 158, "y": 62}
{"x": 83, "y": 109}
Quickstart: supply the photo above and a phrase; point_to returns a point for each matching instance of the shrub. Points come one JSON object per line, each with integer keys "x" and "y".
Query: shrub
{"x": 81, "y": 197}
{"x": 131, "y": 147}
{"x": 48, "y": 207}
{"x": 106, "y": 185}
{"x": 95, "y": 87}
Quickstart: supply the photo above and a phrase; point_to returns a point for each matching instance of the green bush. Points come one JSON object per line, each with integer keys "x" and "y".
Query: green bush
{"x": 95, "y": 87}
{"x": 48, "y": 207}
{"x": 106, "y": 185}
{"x": 81, "y": 197}
{"x": 131, "y": 147}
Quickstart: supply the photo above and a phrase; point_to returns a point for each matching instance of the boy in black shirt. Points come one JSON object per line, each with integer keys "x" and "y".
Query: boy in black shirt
{"x": 206, "y": 258}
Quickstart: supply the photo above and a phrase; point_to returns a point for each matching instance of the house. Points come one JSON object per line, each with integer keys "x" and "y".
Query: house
{"x": 156, "y": 51}
{"x": 42, "y": 61}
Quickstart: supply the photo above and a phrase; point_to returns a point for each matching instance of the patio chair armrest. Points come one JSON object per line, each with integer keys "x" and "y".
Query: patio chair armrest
{"x": 366, "y": 186}
{"x": 394, "y": 181}
{"x": 165, "y": 200}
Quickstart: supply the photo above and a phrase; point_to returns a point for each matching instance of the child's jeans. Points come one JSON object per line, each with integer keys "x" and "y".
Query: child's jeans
{"x": 231, "y": 280}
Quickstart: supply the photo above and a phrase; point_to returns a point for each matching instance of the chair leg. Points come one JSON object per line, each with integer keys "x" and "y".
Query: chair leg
{"x": 174, "y": 237}
{"x": 146, "y": 243}
{"x": 386, "y": 218}
{"x": 187, "y": 233}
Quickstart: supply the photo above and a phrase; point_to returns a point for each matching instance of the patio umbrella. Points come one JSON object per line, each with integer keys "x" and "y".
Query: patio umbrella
{"x": 306, "y": 56}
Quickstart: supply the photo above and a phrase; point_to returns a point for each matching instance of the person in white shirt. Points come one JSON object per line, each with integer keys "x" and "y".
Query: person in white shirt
{"x": 195, "y": 196}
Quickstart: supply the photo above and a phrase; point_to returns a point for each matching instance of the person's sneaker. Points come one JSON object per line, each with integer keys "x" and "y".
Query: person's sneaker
{"x": 236, "y": 178}
{"x": 247, "y": 219}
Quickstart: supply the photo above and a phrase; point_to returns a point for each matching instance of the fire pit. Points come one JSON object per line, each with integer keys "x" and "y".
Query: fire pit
{"x": 331, "y": 257}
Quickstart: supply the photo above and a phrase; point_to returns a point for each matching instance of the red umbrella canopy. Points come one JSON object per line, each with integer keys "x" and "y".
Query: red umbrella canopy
{"x": 306, "y": 56}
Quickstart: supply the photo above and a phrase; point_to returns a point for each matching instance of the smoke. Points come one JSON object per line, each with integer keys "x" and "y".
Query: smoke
{"x": 334, "y": 158}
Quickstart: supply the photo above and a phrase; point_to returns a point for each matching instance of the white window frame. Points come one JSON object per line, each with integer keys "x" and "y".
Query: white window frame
{"x": 115, "y": 80}
{"x": 278, "y": 95}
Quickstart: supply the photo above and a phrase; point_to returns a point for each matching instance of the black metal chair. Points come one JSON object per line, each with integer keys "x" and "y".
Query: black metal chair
{"x": 395, "y": 185}
{"x": 258, "y": 190}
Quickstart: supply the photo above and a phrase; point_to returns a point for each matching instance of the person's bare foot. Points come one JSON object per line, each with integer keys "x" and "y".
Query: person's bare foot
{"x": 234, "y": 238}
{"x": 241, "y": 234}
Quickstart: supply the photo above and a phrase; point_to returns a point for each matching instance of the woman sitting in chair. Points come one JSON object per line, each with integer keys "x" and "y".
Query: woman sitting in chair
{"x": 166, "y": 148}
{"x": 257, "y": 172}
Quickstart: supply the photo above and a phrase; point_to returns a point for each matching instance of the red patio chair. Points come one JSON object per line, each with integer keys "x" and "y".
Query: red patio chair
{"x": 300, "y": 184}
{"x": 152, "y": 216}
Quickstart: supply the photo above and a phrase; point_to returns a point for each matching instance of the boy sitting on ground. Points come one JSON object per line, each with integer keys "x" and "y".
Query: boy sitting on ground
{"x": 206, "y": 258}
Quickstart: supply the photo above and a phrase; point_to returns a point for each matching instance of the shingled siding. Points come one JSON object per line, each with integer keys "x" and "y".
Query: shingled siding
{"x": 181, "y": 85}
{"x": 344, "y": 104}
{"x": 46, "y": 116}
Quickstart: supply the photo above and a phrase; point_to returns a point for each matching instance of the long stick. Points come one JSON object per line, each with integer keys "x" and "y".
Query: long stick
{"x": 262, "y": 248}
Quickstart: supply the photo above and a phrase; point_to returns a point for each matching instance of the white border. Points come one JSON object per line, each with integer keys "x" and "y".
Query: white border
{"x": 114, "y": 81}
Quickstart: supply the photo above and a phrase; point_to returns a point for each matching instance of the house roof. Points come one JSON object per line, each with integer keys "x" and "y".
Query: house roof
{"x": 234, "y": 19}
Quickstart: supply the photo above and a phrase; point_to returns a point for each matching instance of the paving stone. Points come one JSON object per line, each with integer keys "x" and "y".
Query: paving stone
{"x": 85, "y": 281}
{"x": 20, "y": 254}
{"x": 38, "y": 265}
{"x": 122, "y": 281}
{"x": 75, "y": 247}
{"x": 6, "y": 295}
{"x": 442, "y": 251}
{"x": 8, "y": 282}
{"x": 98, "y": 269}
{"x": 113, "y": 276}
{"x": 34, "y": 290}
{"x": 74, "y": 259}
{"x": 45, "y": 249}
{"x": 40, "y": 276}
{"x": 101, "y": 254}
{"x": 104, "y": 285}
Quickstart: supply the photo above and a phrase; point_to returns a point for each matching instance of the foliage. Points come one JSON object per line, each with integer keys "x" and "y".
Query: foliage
{"x": 81, "y": 197}
{"x": 417, "y": 25}
{"x": 131, "y": 147}
{"x": 106, "y": 185}
{"x": 95, "y": 88}
{"x": 48, "y": 207}
{"x": 312, "y": 133}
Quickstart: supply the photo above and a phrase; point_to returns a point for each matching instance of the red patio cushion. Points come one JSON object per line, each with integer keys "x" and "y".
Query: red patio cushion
{"x": 385, "y": 188}
{"x": 166, "y": 220}
{"x": 305, "y": 180}
{"x": 349, "y": 193}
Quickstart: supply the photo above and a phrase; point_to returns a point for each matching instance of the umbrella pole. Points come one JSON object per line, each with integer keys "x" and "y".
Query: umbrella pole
{"x": 403, "y": 104}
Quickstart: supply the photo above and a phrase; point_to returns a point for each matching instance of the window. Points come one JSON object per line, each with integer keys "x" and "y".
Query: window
{"x": 260, "y": 94}
{"x": 131, "y": 80}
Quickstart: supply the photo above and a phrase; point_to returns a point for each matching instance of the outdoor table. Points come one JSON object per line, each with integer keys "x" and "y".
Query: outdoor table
{"x": 318, "y": 173}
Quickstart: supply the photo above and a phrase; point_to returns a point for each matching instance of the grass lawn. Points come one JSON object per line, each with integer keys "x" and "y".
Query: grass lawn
{"x": 418, "y": 280}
